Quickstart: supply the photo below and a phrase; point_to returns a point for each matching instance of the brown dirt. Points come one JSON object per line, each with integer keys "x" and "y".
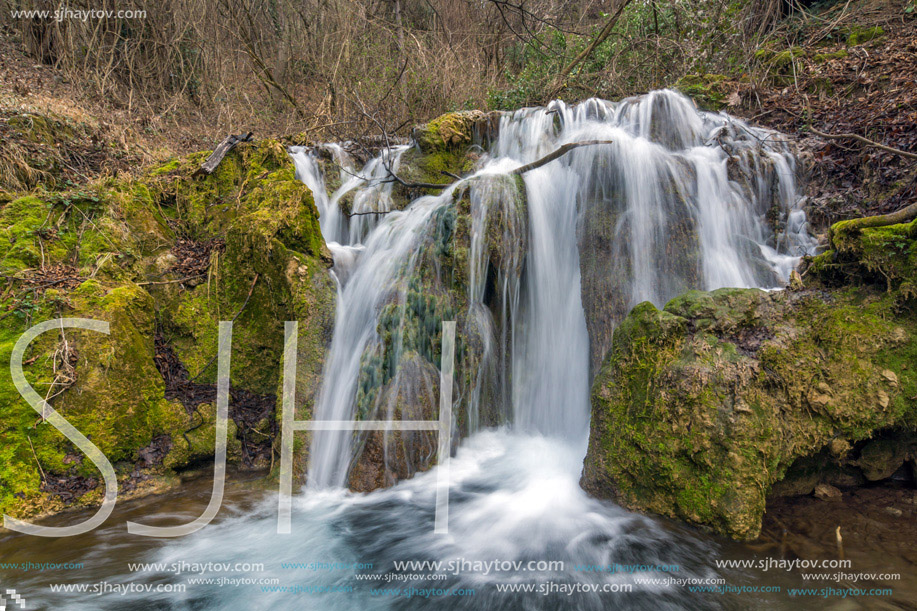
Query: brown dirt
{"x": 872, "y": 91}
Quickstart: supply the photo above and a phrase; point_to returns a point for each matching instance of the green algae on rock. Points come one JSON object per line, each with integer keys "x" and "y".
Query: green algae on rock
{"x": 398, "y": 378}
{"x": 701, "y": 408}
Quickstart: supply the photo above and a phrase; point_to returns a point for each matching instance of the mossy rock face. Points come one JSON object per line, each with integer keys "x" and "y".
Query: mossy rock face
{"x": 116, "y": 399}
{"x": 387, "y": 457}
{"x": 275, "y": 265}
{"x": 885, "y": 255}
{"x": 398, "y": 377}
{"x": 274, "y": 269}
{"x": 454, "y": 130}
{"x": 442, "y": 151}
{"x": 701, "y": 408}
{"x": 707, "y": 90}
{"x": 108, "y": 251}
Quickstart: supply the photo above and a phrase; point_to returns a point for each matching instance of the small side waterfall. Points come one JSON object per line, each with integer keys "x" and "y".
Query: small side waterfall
{"x": 679, "y": 199}
{"x": 363, "y": 190}
{"x": 390, "y": 249}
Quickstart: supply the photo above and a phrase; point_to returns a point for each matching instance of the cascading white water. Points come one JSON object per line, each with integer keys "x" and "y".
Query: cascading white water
{"x": 666, "y": 164}
{"x": 679, "y": 200}
{"x": 550, "y": 366}
{"x": 369, "y": 188}
{"x": 388, "y": 250}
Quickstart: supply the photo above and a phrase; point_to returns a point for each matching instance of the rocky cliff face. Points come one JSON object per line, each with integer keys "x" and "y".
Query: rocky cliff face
{"x": 703, "y": 409}
{"x": 162, "y": 258}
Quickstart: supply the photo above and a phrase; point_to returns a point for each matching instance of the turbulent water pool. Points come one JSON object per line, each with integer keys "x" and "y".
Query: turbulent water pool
{"x": 522, "y": 534}
{"x": 515, "y": 498}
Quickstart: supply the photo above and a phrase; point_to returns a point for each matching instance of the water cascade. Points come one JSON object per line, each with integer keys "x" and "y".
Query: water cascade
{"x": 679, "y": 199}
{"x": 536, "y": 271}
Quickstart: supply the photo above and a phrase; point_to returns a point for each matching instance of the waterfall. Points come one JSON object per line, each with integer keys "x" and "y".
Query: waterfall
{"x": 365, "y": 189}
{"x": 678, "y": 199}
{"x": 536, "y": 273}
{"x": 389, "y": 249}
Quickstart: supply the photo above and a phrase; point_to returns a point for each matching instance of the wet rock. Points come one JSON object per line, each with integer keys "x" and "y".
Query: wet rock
{"x": 881, "y": 458}
{"x": 827, "y": 492}
{"x": 670, "y": 433}
{"x": 388, "y": 457}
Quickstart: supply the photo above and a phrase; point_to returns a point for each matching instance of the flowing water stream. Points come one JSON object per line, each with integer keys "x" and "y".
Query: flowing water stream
{"x": 679, "y": 199}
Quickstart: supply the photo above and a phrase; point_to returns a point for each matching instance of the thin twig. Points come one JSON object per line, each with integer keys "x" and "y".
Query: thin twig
{"x": 180, "y": 280}
{"x": 38, "y": 462}
{"x": 865, "y": 141}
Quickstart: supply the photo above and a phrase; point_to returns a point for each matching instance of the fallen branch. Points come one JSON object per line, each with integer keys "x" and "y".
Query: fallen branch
{"x": 179, "y": 281}
{"x": 350, "y": 214}
{"x": 865, "y": 141}
{"x": 908, "y": 213}
{"x": 563, "y": 150}
{"x": 220, "y": 151}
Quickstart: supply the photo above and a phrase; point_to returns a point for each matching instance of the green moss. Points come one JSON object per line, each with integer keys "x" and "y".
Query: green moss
{"x": 887, "y": 254}
{"x": 700, "y": 409}
{"x": 117, "y": 400}
{"x": 278, "y": 240}
{"x": 708, "y": 90}
{"x": 110, "y": 219}
{"x": 454, "y": 130}
{"x": 824, "y": 57}
{"x": 42, "y": 129}
{"x": 858, "y": 35}
{"x": 197, "y": 443}
{"x": 783, "y": 66}
{"x": 114, "y": 234}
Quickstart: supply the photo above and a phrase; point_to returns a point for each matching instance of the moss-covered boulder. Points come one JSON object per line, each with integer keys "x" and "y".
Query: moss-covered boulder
{"x": 442, "y": 149}
{"x": 163, "y": 258}
{"x": 701, "y": 408}
{"x": 454, "y": 130}
{"x": 709, "y": 91}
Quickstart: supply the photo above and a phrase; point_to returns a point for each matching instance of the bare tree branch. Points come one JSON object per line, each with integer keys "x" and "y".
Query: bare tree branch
{"x": 865, "y": 141}
{"x": 563, "y": 150}
{"x": 559, "y": 152}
